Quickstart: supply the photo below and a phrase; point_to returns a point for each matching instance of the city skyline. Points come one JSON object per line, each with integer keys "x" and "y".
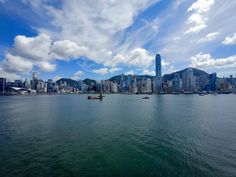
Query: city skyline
{"x": 69, "y": 39}
{"x": 187, "y": 81}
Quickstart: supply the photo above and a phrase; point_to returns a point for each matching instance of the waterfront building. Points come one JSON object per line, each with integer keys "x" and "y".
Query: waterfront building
{"x": 114, "y": 87}
{"x": 18, "y": 83}
{"x": 106, "y": 86}
{"x": 50, "y": 85}
{"x": 3, "y": 84}
{"x": 41, "y": 86}
{"x": 169, "y": 86}
{"x": 213, "y": 82}
{"x": 189, "y": 80}
{"x": 176, "y": 82}
{"x": 145, "y": 86}
{"x": 158, "y": 73}
{"x": 27, "y": 84}
{"x": 148, "y": 85}
{"x": 35, "y": 80}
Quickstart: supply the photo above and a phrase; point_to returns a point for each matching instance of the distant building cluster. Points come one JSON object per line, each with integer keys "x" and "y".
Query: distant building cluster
{"x": 187, "y": 81}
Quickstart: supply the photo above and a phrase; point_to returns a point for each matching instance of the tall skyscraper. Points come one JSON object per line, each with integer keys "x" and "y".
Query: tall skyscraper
{"x": 176, "y": 82}
{"x": 189, "y": 80}
{"x": 213, "y": 82}
{"x": 158, "y": 73}
{"x": 2, "y": 85}
{"x": 35, "y": 80}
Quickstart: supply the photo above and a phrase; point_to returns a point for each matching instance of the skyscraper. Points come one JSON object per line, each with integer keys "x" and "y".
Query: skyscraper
{"x": 213, "y": 82}
{"x": 189, "y": 80}
{"x": 35, "y": 80}
{"x": 158, "y": 73}
{"x": 176, "y": 82}
{"x": 2, "y": 85}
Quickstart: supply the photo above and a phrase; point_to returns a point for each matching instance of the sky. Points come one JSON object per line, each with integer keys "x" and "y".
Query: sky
{"x": 98, "y": 39}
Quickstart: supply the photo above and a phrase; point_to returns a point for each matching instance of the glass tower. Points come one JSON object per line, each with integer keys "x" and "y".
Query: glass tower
{"x": 158, "y": 73}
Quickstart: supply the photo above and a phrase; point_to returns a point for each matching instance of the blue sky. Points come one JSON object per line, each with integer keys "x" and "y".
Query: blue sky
{"x": 98, "y": 39}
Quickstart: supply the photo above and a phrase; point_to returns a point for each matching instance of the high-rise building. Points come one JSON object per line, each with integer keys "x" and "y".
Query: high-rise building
{"x": 158, "y": 73}
{"x": 149, "y": 85}
{"x": 213, "y": 82}
{"x": 189, "y": 80}
{"x": 27, "y": 84}
{"x": 41, "y": 87}
{"x": 176, "y": 82}
{"x": 2, "y": 85}
{"x": 114, "y": 87}
{"x": 35, "y": 80}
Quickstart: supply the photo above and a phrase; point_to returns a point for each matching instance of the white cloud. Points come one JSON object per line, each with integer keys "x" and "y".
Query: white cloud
{"x": 206, "y": 61}
{"x": 101, "y": 71}
{"x": 112, "y": 70}
{"x": 209, "y": 37}
{"x": 46, "y": 66}
{"x": 79, "y": 28}
{"x": 14, "y": 63}
{"x": 230, "y": 40}
{"x": 77, "y": 75}
{"x": 201, "y": 6}
{"x": 148, "y": 72}
{"x": 56, "y": 78}
{"x": 198, "y": 18}
{"x": 94, "y": 25}
{"x": 66, "y": 50}
{"x": 104, "y": 71}
{"x": 9, "y": 75}
{"x": 34, "y": 48}
{"x": 137, "y": 57}
{"x": 131, "y": 72}
{"x": 219, "y": 18}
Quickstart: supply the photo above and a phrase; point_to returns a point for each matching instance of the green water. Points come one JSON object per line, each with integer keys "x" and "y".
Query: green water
{"x": 123, "y": 135}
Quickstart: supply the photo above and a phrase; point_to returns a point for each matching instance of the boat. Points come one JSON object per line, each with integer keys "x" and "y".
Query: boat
{"x": 99, "y": 97}
{"x": 94, "y": 98}
{"x": 146, "y": 97}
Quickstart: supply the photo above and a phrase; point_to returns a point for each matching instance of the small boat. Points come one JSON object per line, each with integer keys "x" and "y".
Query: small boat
{"x": 146, "y": 97}
{"x": 94, "y": 98}
{"x": 99, "y": 97}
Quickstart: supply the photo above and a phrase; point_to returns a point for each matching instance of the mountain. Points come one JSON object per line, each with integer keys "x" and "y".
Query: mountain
{"x": 138, "y": 77}
{"x": 196, "y": 72}
{"x": 74, "y": 83}
{"x": 69, "y": 82}
{"x": 91, "y": 82}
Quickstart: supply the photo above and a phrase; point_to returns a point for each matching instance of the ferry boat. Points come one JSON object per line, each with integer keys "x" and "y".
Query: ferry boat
{"x": 99, "y": 97}
{"x": 146, "y": 97}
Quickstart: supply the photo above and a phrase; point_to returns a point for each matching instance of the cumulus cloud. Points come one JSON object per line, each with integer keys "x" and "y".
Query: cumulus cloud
{"x": 56, "y": 78}
{"x": 104, "y": 71}
{"x": 66, "y": 50}
{"x": 78, "y": 28}
{"x": 101, "y": 71}
{"x": 14, "y": 63}
{"x": 209, "y": 37}
{"x": 206, "y": 61}
{"x": 131, "y": 72}
{"x": 198, "y": 18}
{"x": 138, "y": 57}
{"x": 202, "y": 6}
{"x": 9, "y": 75}
{"x": 148, "y": 72}
{"x": 39, "y": 51}
{"x": 77, "y": 75}
{"x": 230, "y": 40}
